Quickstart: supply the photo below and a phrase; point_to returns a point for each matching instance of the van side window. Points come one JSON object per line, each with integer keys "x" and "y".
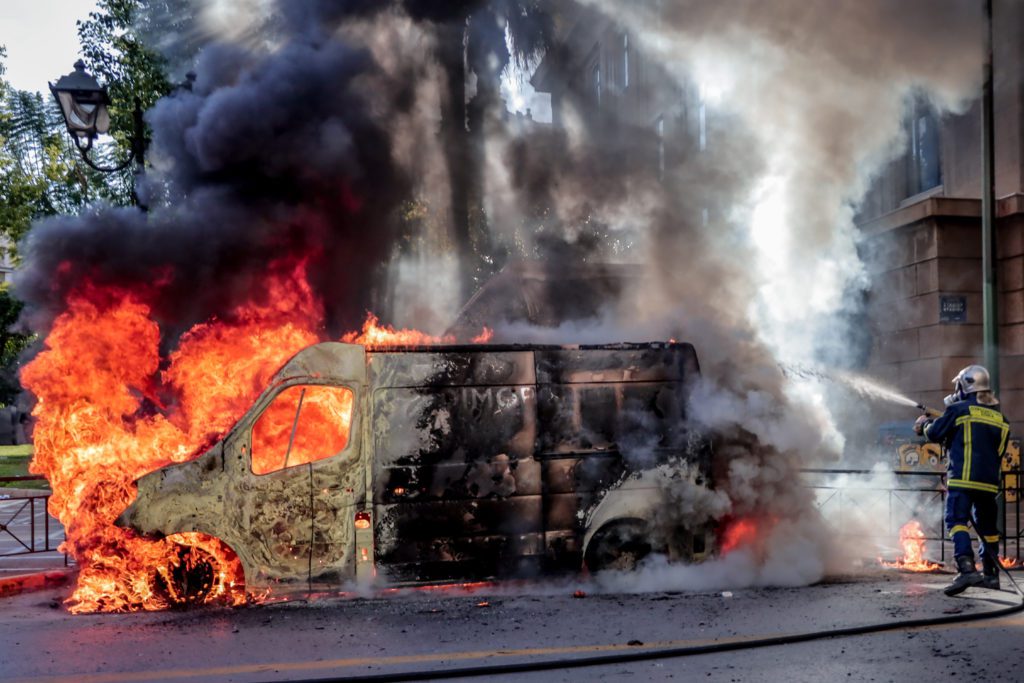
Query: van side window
{"x": 302, "y": 424}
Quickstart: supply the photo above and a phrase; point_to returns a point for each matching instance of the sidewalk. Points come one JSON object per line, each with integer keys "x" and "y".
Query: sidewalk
{"x": 33, "y": 563}
{"x": 33, "y": 571}
{"x": 24, "y": 583}
{"x": 23, "y": 571}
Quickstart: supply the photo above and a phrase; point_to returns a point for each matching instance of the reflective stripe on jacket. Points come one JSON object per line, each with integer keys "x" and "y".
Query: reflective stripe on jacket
{"x": 975, "y": 437}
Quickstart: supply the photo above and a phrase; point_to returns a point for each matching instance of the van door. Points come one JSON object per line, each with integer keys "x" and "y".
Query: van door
{"x": 339, "y": 486}
{"x": 298, "y": 488}
{"x": 272, "y": 498}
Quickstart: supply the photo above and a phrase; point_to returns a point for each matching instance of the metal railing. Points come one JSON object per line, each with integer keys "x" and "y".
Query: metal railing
{"x": 1010, "y": 495}
{"x": 19, "y": 520}
{"x": 918, "y": 495}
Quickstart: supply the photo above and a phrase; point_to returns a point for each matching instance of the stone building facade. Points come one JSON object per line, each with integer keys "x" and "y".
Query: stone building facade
{"x": 922, "y": 226}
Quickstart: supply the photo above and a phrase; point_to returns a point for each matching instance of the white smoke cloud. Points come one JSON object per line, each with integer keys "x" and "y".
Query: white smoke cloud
{"x": 821, "y": 88}
{"x": 809, "y": 99}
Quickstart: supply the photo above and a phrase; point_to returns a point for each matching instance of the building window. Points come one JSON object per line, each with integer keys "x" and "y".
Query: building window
{"x": 596, "y": 80}
{"x": 625, "y": 60}
{"x": 924, "y": 153}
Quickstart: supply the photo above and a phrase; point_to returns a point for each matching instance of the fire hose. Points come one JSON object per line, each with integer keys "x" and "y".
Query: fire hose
{"x": 685, "y": 651}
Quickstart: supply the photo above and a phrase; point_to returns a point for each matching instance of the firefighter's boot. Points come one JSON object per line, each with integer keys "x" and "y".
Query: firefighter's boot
{"x": 990, "y": 569}
{"x": 968, "y": 576}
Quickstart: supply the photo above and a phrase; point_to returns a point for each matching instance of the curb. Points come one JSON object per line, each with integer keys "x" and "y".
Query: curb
{"x": 26, "y": 583}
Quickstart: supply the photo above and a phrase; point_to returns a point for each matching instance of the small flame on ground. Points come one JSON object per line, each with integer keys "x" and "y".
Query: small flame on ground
{"x": 913, "y": 542}
{"x": 1009, "y": 562}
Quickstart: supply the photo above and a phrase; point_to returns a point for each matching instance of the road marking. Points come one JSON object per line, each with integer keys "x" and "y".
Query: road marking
{"x": 278, "y": 667}
{"x": 383, "y": 662}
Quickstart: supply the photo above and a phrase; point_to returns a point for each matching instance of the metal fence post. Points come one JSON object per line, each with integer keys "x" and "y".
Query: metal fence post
{"x": 32, "y": 524}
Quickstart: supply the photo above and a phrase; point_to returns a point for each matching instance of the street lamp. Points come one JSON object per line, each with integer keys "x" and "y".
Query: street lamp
{"x": 84, "y": 104}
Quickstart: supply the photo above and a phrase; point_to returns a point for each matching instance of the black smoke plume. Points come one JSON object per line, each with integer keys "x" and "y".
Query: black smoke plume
{"x": 281, "y": 152}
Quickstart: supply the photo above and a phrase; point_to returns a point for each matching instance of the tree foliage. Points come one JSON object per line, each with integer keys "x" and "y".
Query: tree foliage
{"x": 39, "y": 171}
{"x": 13, "y": 343}
{"x": 115, "y": 52}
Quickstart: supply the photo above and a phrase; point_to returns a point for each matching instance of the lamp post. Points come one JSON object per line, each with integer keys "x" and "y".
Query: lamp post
{"x": 989, "y": 234}
{"x": 85, "y": 106}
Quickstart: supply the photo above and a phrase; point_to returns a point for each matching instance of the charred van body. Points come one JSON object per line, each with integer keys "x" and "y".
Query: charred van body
{"x": 446, "y": 463}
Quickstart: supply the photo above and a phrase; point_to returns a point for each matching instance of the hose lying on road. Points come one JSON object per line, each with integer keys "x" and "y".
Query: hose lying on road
{"x": 671, "y": 652}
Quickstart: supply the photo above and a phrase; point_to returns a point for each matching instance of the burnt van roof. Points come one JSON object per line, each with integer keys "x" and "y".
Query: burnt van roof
{"x": 503, "y": 364}
{"x": 440, "y": 364}
{"x": 492, "y": 348}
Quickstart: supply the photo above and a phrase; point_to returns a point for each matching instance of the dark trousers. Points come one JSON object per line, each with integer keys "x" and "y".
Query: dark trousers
{"x": 979, "y": 508}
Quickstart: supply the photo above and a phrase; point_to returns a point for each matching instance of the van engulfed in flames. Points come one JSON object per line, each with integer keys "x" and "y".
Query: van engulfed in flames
{"x": 111, "y": 408}
{"x": 176, "y": 473}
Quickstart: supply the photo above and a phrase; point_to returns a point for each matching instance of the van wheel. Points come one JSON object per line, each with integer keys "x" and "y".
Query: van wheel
{"x": 618, "y": 546}
{"x": 189, "y": 581}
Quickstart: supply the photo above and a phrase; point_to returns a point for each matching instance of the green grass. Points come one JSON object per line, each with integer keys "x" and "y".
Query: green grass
{"x": 17, "y": 466}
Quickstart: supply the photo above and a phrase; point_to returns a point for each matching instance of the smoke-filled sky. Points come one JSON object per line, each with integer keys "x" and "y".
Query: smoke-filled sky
{"x": 333, "y": 133}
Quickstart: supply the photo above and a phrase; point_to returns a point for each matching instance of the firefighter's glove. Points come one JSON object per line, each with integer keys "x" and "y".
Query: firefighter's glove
{"x": 922, "y": 424}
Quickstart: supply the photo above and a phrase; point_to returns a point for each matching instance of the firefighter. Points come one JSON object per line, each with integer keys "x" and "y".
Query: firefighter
{"x": 975, "y": 434}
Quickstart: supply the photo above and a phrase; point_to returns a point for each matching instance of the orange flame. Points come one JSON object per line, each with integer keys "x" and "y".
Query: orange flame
{"x": 375, "y": 334}
{"x": 1009, "y": 562}
{"x": 913, "y": 543}
{"x": 100, "y": 425}
{"x": 485, "y": 336}
{"x": 323, "y": 429}
{"x": 110, "y": 408}
{"x": 739, "y": 533}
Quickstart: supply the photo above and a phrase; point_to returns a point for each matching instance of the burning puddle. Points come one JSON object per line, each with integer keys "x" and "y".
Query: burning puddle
{"x": 914, "y": 546}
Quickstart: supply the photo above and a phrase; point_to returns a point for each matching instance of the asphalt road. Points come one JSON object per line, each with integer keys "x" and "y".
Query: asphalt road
{"x": 435, "y": 631}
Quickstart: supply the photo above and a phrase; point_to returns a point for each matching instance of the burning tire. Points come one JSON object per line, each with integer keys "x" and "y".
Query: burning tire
{"x": 619, "y": 546}
{"x": 200, "y": 570}
{"x": 190, "y": 580}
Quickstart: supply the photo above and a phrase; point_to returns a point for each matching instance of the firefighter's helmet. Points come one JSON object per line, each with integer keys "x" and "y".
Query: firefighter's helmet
{"x": 970, "y": 380}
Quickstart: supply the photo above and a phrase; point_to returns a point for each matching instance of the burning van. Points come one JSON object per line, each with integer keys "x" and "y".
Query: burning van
{"x": 446, "y": 463}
